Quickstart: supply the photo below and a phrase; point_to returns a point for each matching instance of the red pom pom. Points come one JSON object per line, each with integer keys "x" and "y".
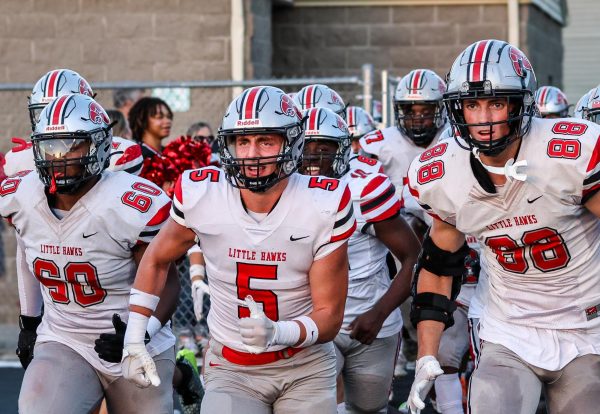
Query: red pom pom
{"x": 183, "y": 153}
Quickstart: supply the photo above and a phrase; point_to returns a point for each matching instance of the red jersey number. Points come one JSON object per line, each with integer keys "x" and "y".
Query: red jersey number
{"x": 245, "y": 273}
{"x": 546, "y": 247}
{"x": 81, "y": 277}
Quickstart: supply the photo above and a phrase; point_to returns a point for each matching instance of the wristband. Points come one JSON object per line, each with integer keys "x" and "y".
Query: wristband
{"x": 143, "y": 299}
{"x": 312, "y": 331}
{"x": 154, "y": 325}
{"x": 197, "y": 270}
{"x": 136, "y": 329}
{"x": 286, "y": 333}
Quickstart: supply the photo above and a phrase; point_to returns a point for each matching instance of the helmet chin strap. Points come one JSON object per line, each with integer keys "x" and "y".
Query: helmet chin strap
{"x": 510, "y": 169}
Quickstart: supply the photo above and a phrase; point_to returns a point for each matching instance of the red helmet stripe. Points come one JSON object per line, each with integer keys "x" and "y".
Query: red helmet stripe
{"x": 479, "y": 61}
{"x": 351, "y": 117}
{"x": 52, "y": 83}
{"x": 416, "y": 80}
{"x": 250, "y": 103}
{"x": 309, "y": 97}
{"x": 57, "y": 110}
{"x": 543, "y": 96}
{"x": 313, "y": 118}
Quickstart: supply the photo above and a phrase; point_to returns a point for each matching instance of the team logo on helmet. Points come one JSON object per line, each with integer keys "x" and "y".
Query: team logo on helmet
{"x": 341, "y": 125}
{"x": 336, "y": 99}
{"x": 97, "y": 114}
{"x": 288, "y": 108}
{"x": 84, "y": 89}
{"x": 520, "y": 62}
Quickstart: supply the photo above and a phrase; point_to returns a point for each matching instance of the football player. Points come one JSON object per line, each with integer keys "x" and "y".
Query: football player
{"x": 275, "y": 246}
{"x": 125, "y": 154}
{"x": 367, "y": 344}
{"x": 463, "y": 335}
{"x": 360, "y": 123}
{"x": 551, "y": 102}
{"x": 320, "y": 96}
{"x": 82, "y": 230}
{"x": 526, "y": 189}
{"x": 420, "y": 120}
{"x": 588, "y": 106}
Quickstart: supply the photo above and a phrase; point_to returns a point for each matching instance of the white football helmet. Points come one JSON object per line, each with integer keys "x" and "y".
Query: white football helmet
{"x": 420, "y": 86}
{"x": 320, "y": 96}
{"x": 491, "y": 69}
{"x": 54, "y": 84}
{"x": 71, "y": 142}
{"x": 322, "y": 124}
{"x": 267, "y": 110}
{"x": 588, "y": 107}
{"x": 359, "y": 121}
{"x": 551, "y": 102}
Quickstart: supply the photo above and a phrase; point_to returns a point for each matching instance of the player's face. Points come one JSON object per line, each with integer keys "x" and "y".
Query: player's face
{"x": 419, "y": 116}
{"x": 159, "y": 124}
{"x": 65, "y": 150}
{"x": 259, "y": 145}
{"x": 318, "y": 158}
{"x": 481, "y": 111}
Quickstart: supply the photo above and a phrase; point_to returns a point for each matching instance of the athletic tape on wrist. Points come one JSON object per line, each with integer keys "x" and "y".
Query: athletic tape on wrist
{"x": 286, "y": 333}
{"x": 312, "y": 331}
{"x": 137, "y": 324}
{"x": 154, "y": 325}
{"x": 197, "y": 270}
{"x": 143, "y": 299}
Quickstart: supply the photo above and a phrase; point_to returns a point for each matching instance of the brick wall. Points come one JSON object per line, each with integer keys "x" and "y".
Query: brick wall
{"x": 329, "y": 41}
{"x": 109, "y": 40}
{"x": 114, "y": 40}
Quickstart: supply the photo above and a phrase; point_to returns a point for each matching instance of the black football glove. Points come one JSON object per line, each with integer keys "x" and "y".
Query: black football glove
{"x": 27, "y": 337}
{"x": 109, "y": 346}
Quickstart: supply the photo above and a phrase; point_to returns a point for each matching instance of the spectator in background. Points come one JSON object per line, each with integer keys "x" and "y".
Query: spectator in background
{"x": 125, "y": 98}
{"x": 150, "y": 120}
{"x": 201, "y": 131}
{"x": 121, "y": 128}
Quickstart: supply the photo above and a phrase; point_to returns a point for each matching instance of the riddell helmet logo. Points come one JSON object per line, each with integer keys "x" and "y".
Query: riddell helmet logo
{"x": 520, "y": 62}
{"x": 55, "y": 128}
{"x": 247, "y": 122}
{"x": 97, "y": 114}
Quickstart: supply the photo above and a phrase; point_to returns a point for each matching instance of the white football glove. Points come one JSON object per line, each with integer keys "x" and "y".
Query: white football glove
{"x": 138, "y": 366}
{"x": 199, "y": 289}
{"x": 257, "y": 331}
{"x": 427, "y": 370}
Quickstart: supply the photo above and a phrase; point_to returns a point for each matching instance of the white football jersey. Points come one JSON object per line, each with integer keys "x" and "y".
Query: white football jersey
{"x": 395, "y": 151}
{"x": 84, "y": 260}
{"x": 267, "y": 259}
{"x": 540, "y": 246}
{"x": 125, "y": 156}
{"x": 366, "y": 164}
{"x": 374, "y": 198}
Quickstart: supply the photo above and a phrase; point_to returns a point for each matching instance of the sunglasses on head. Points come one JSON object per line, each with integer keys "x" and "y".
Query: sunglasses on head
{"x": 206, "y": 138}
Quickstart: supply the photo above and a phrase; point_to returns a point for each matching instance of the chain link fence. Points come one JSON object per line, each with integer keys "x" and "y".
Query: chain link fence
{"x": 192, "y": 102}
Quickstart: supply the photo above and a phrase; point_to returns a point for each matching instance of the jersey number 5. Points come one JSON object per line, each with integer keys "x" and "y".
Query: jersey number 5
{"x": 268, "y": 298}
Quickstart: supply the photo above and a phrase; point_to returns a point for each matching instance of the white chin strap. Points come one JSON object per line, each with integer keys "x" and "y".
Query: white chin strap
{"x": 510, "y": 169}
